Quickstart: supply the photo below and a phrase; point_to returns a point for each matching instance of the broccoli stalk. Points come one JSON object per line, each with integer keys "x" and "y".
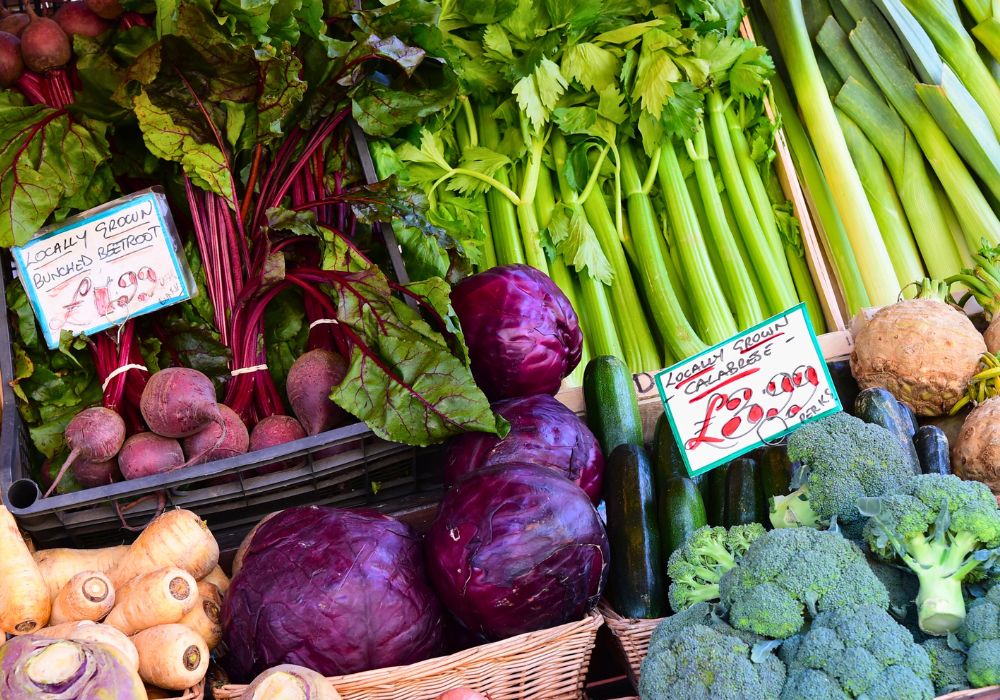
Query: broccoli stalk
{"x": 941, "y": 565}
{"x": 793, "y": 510}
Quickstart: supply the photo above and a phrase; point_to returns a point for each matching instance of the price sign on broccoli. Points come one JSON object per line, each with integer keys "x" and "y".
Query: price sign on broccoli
{"x": 747, "y": 391}
{"x": 109, "y": 264}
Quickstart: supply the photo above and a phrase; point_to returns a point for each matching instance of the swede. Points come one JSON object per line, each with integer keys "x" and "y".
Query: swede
{"x": 44, "y": 45}
{"x": 93, "y": 633}
{"x": 310, "y": 380}
{"x": 11, "y": 63}
{"x": 96, "y": 434}
{"x": 77, "y": 18}
{"x": 218, "y": 441}
{"x": 290, "y": 682}
{"x": 178, "y": 402}
{"x": 275, "y": 430}
{"x": 145, "y": 454}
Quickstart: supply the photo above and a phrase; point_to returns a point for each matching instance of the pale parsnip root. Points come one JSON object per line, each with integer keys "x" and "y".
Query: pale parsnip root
{"x": 59, "y": 565}
{"x": 24, "y": 599}
{"x": 87, "y": 596}
{"x": 206, "y": 617}
{"x": 171, "y": 656}
{"x": 176, "y": 538}
{"x": 156, "y": 598}
{"x": 218, "y": 578}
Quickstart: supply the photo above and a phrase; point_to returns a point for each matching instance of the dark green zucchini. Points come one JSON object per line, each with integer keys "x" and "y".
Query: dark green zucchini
{"x": 667, "y": 459}
{"x": 680, "y": 511}
{"x": 932, "y": 449}
{"x": 713, "y": 493}
{"x": 878, "y": 406}
{"x": 744, "y": 496}
{"x": 636, "y": 586}
{"x": 909, "y": 418}
{"x": 612, "y": 407}
{"x": 775, "y": 471}
{"x": 843, "y": 382}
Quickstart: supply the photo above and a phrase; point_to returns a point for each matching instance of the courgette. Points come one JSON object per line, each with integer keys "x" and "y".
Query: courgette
{"x": 843, "y": 382}
{"x": 713, "y": 492}
{"x": 636, "y": 586}
{"x": 932, "y": 450}
{"x": 775, "y": 471}
{"x": 667, "y": 459}
{"x": 744, "y": 496}
{"x": 909, "y": 418}
{"x": 681, "y": 511}
{"x": 612, "y": 407}
{"x": 879, "y": 406}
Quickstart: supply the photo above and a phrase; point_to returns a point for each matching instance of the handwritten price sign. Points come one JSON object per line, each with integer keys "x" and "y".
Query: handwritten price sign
{"x": 747, "y": 391}
{"x": 104, "y": 266}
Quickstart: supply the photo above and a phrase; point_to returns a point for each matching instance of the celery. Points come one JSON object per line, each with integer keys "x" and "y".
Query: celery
{"x": 501, "y": 211}
{"x": 531, "y": 231}
{"x": 466, "y": 136}
{"x": 744, "y": 254}
{"x": 899, "y": 87}
{"x": 859, "y": 220}
{"x": 560, "y": 274}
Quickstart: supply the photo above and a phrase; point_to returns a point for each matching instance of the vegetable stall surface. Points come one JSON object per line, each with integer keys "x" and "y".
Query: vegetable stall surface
{"x": 51, "y": 669}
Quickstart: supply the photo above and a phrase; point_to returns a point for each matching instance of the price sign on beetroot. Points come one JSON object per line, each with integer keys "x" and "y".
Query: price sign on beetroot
{"x": 747, "y": 391}
{"x": 104, "y": 266}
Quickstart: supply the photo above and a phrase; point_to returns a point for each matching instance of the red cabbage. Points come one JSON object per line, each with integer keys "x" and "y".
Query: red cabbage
{"x": 516, "y": 549}
{"x": 542, "y": 432}
{"x": 333, "y": 590}
{"x": 522, "y": 333}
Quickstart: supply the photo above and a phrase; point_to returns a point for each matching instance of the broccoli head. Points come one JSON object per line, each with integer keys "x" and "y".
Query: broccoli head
{"x": 946, "y": 530}
{"x": 786, "y": 574}
{"x": 856, "y": 652}
{"x": 947, "y": 665}
{"x": 981, "y": 634}
{"x": 697, "y": 566}
{"x": 843, "y": 459}
{"x": 703, "y": 663}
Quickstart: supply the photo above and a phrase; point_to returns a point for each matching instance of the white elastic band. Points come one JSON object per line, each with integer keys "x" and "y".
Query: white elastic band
{"x": 248, "y": 370}
{"x": 121, "y": 370}
{"x": 322, "y": 322}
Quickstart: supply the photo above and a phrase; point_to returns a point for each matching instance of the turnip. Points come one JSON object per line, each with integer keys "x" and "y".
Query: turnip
{"x": 145, "y": 454}
{"x": 13, "y": 22}
{"x": 94, "y": 474}
{"x": 275, "y": 430}
{"x": 11, "y": 63}
{"x": 108, "y": 9}
{"x": 218, "y": 441}
{"x": 922, "y": 350}
{"x": 77, "y": 18}
{"x": 95, "y": 434}
{"x": 310, "y": 380}
{"x": 178, "y": 402}
{"x": 44, "y": 45}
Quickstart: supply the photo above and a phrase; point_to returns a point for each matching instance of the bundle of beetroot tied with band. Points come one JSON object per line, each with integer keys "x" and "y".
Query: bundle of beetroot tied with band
{"x": 293, "y": 327}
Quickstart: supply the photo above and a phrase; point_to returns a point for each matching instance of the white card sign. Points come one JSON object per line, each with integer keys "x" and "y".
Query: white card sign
{"x": 747, "y": 391}
{"x": 104, "y": 266}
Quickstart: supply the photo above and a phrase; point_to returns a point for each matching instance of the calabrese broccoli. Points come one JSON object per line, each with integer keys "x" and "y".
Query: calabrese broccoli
{"x": 980, "y": 633}
{"x": 943, "y": 528}
{"x": 697, "y": 566}
{"x": 843, "y": 459}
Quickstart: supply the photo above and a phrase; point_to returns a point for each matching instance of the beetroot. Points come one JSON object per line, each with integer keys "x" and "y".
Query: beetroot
{"x": 95, "y": 434}
{"x": 94, "y": 474}
{"x": 11, "y": 63}
{"x": 77, "y": 18}
{"x": 14, "y": 23}
{"x": 218, "y": 441}
{"x": 108, "y": 9}
{"x": 310, "y": 380}
{"x": 145, "y": 454}
{"x": 275, "y": 430}
{"x": 178, "y": 402}
{"x": 44, "y": 45}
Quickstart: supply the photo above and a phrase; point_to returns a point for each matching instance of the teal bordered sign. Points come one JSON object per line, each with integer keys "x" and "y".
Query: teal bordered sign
{"x": 747, "y": 391}
{"x": 104, "y": 266}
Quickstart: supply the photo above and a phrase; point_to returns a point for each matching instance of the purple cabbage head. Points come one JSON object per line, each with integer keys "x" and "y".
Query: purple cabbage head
{"x": 334, "y": 590}
{"x": 54, "y": 669}
{"x": 542, "y": 432}
{"x": 522, "y": 332}
{"x": 516, "y": 549}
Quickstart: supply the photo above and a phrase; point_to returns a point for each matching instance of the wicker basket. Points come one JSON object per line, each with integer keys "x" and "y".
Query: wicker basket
{"x": 632, "y": 637}
{"x": 546, "y": 665}
{"x": 991, "y": 693}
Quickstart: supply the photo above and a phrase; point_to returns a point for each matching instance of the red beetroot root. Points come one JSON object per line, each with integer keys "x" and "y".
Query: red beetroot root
{"x": 178, "y": 402}
{"x": 11, "y": 63}
{"x": 77, "y": 18}
{"x": 275, "y": 430}
{"x": 95, "y": 434}
{"x": 145, "y": 454}
{"x": 310, "y": 380}
{"x": 44, "y": 45}
{"x": 218, "y": 442}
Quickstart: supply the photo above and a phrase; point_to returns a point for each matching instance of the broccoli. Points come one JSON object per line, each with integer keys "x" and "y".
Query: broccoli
{"x": 843, "y": 459}
{"x": 786, "y": 573}
{"x": 696, "y": 567}
{"x": 902, "y": 587}
{"x": 946, "y": 530}
{"x": 947, "y": 665}
{"x": 856, "y": 652}
{"x": 981, "y": 634}
{"x": 698, "y": 662}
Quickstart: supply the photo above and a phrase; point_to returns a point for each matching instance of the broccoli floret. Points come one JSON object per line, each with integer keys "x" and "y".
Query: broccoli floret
{"x": 856, "y": 652}
{"x": 981, "y": 634}
{"x": 843, "y": 459}
{"x": 947, "y": 665}
{"x": 786, "y": 574}
{"x": 697, "y": 566}
{"x": 702, "y": 663}
{"x": 946, "y": 530}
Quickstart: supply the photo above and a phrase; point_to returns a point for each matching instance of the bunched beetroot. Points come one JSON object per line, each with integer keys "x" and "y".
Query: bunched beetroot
{"x": 145, "y": 454}
{"x": 95, "y": 434}
{"x": 272, "y": 431}
{"x": 522, "y": 332}
{"x": 93, "y": 474}
{"x": 13, "y": 22}
{"x": 218, "y": 441}
{"x": 543, "y": 432}
{"x": 11, "y": 63}
{"x": 77, "y": 18}
{"x": 310, "y": 380}
{"x": 107, "y": 9}
{"x": 178, "y": 402}
{"x": 44, "y": 45}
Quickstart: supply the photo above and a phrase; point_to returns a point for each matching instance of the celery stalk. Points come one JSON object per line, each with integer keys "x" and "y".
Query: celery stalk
{"x": 597, "y": 311}
{"x": 501, "y": 211}
{"x": 885, "y": 204}
{"x": 526, "y": 217}
{"x": 561, "y": 275}
{"x": 744, "y": 254}
{"x": 898, "y": 85}
{"x": 845, "y": 185}
{"x": 466, "y": 137}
